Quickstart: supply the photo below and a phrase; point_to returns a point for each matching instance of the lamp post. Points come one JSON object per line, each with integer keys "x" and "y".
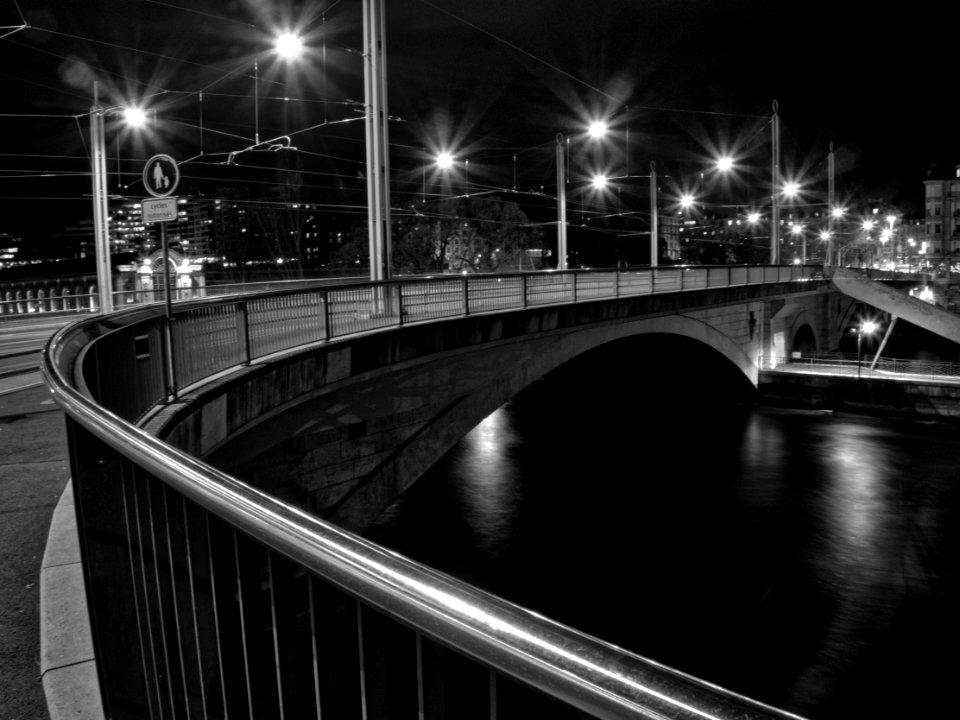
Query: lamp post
{"x": 561, "y": 202}
{"x": 288, "y": 46}
{"x": 868, "y": 327}
{"x": 797, "y": 229}
{"x": 596, "y": 130}
{"x": 101, "y": 216}
{"x": 99, "y": 172}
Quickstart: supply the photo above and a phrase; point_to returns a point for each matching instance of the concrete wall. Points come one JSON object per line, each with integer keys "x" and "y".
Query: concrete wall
{"x": 342, "y": 429}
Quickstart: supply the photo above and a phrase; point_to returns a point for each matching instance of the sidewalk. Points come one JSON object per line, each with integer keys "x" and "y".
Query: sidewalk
{"x": 34, "y": 471}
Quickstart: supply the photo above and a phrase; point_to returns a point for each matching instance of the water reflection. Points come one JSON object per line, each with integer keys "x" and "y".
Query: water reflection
{"x": 806, "y": 559}
{"x": 487, "y": 486}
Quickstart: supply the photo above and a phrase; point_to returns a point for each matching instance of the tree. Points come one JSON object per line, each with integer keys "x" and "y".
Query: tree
{"x": 474, "y": 234}
{"x": 354, "y": 254}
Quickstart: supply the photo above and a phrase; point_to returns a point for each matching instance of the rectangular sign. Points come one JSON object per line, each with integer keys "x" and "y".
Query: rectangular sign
{"x": 159, "y": 210}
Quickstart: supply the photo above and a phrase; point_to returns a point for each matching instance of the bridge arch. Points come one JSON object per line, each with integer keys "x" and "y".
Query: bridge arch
{"x": 804, "y": 340}
{"x": 425, "y": 406}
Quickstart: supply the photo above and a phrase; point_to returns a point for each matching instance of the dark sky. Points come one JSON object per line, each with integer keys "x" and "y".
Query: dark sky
{"x": 495, "y": 81}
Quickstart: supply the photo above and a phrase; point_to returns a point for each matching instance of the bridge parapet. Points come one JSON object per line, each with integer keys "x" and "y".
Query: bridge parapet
{"x": 208, "y": 597}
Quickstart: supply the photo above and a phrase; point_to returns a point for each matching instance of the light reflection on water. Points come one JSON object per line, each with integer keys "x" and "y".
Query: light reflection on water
{"x": 488, "y": 491}
{"x": 802, "y": 558}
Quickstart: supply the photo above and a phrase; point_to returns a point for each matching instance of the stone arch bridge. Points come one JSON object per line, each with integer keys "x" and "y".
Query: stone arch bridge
{"x": 343, "y": 428}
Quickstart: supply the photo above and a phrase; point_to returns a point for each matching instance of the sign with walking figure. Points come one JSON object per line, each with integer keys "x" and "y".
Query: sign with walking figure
{"x": 161, "y": 175}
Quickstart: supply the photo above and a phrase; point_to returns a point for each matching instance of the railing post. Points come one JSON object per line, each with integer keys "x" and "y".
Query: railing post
{"x": 399, "y": 287}
{"x": 325, "y": 298}
{"x": 523, "y": 280}
{"x": 245, "y": 319}
{"x": 574, "y": 287}
{"x": 465, "y": 295}
{"x": 616, "y": 284}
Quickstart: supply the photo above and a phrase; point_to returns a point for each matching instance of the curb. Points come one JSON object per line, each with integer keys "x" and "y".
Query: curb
{"x": 67, "y": 666}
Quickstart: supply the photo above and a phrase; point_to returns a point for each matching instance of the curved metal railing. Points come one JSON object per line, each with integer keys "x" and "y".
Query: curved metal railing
{"x": 211, "y": 599}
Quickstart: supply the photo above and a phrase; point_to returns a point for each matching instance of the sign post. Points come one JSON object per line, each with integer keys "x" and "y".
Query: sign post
{"x": 161, "y": 175}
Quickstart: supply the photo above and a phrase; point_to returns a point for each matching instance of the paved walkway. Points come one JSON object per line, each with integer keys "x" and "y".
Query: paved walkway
{"x": 33, "y": 474}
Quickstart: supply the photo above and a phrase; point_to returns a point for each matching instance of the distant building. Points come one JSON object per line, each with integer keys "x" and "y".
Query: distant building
{"x": 942, "y": 214}
{"x": 9, "y": 249}
{"x": 193, "y": 231}
{"x": 127, "y": 230}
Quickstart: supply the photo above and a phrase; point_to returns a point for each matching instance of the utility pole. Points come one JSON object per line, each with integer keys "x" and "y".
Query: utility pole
{"x": 377, "y": 137}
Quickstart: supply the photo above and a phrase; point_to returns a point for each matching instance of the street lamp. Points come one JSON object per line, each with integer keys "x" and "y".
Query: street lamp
{"x": 98, "y": 166}
{"x": 867, "y": 327}
{"x": 797, "y": 230}
{"x": 596, "y": 129}
{"x": 288, "y": 47}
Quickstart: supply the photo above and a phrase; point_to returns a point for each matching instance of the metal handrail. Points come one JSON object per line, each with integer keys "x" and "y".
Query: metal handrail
{"x": 579, "y": 670}
{"x": 595, "y": 676}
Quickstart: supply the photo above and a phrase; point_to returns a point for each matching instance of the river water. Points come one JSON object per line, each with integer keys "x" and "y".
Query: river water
{"x": 806, "y": 559}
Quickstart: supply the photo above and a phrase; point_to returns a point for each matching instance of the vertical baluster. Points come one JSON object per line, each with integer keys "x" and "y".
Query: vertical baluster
{"x": 164, "y": 600}
{"x": 215, "y": 607}
{"x": 388, "y": 667}
{"x": 157, "y": 670}
{"x": 278, "y": 667}
{"x": 199, "y": 611}
{"x": 141, "y": 613}
{"x": 244, "y": 631}
{"x": 492, "y": 693}
{"x": 171, "y": 528}
{"x": 335, "y": 646}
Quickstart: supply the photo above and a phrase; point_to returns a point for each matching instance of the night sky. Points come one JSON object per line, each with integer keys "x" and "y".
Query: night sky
{"x": 681, "y": 81}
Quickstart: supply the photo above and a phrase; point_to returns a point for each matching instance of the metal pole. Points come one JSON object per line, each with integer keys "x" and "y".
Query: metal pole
{"x": 883, "y": 343}
{"x": 166, "y": 268}
{"x": 256, "y": 102}
{"x": 561, "y": 204}
{"x": 830, "y": 204}
{"x": 171, "y": 371}
{"x": 775, "y": 183}
{"x": 378, "y": 157}
{"x": 100, "y": 216}
{"x": 859, "y": 340}
{"x": 653, "y": 214}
